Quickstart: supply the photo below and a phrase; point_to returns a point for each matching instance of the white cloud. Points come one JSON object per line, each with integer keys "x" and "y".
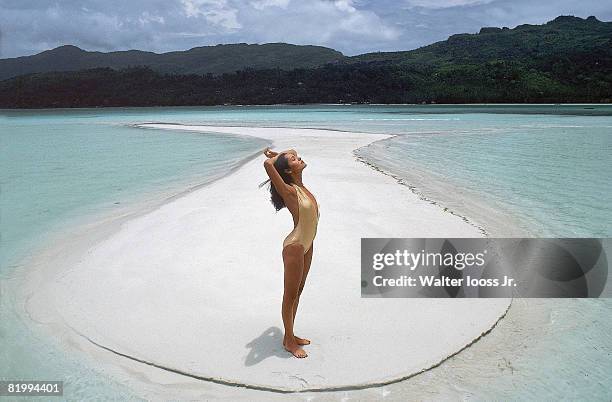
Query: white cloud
{"x": 339, "y": 24}
{"x": 436, "y": 4}
{"x": 345, "y": 5}
{"x": 261, "y": 4}
{"x": 146, "y": 18}
{"x": 365, "y": 24}
{"x": 217, "y": 12}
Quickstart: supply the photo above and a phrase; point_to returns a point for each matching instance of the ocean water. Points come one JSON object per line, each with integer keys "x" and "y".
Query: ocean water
{"x": 550, "y": 173}
{"x": 546, "y": 166}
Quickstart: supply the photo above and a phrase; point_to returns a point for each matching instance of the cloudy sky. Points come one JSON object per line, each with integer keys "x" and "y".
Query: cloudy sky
{"x": 350, "y": 26}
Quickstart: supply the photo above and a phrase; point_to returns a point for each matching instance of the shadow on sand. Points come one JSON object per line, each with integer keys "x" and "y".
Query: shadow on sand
{"x": 268, "y": 344}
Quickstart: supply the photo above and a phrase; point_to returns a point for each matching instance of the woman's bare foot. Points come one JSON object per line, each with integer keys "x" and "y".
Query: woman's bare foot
{"x": 294, "y": 349}
{"x": 301, "y": 341}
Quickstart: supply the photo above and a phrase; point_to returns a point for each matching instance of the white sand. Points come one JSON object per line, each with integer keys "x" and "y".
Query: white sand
{"x": 195, "y": 285}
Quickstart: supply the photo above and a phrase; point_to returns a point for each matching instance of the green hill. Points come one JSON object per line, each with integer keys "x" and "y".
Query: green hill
{"x": 565, "y": 35}
{"x": 548, "y": 61}
{"x": 199, "y": 60}
{"x": 568, "y": 59}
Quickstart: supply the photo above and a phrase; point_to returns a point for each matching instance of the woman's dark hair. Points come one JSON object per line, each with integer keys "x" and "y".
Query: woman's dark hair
{"x": 280, "y": 165}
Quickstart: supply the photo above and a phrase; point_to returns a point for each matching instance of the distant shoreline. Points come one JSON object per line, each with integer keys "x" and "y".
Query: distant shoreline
{"x": 306, "y": 104}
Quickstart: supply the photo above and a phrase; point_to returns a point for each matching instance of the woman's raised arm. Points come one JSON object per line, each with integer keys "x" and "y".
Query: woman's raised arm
{"x": 281, "y": 187}
{"x": 270, "y": 154}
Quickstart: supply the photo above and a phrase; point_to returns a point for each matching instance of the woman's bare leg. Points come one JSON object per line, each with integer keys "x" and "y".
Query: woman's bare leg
{"x": 307, "y": 261}
{"x": 293, "y": 259}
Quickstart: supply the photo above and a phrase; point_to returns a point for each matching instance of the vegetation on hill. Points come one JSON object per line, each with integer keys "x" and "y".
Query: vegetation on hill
{"x": 199, "y": 60}
{"x": 568, "y": 59}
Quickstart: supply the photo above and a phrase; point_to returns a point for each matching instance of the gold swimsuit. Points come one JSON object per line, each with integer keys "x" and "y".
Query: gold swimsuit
{"x": 308, "y": 218}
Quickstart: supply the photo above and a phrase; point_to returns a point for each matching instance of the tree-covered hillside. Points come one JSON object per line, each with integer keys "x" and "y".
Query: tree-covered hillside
{"x": 568, "y": 59}
{"x": 199, "y": 60}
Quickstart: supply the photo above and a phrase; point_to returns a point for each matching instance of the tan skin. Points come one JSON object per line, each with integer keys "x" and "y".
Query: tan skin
{"x": 297, "y": 264}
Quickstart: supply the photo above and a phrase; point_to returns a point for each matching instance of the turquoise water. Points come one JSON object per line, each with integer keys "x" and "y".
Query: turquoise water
{"x": 548, "y": 166}
{"x": 551, "y": 173}
{"x": 56, "y": 167}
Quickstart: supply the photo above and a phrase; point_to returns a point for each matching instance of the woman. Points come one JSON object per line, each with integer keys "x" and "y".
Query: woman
{"x": 287, "y": 190}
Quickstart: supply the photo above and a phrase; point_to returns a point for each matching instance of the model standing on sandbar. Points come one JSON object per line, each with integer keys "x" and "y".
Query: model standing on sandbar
{"x": 287, "y": 190}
